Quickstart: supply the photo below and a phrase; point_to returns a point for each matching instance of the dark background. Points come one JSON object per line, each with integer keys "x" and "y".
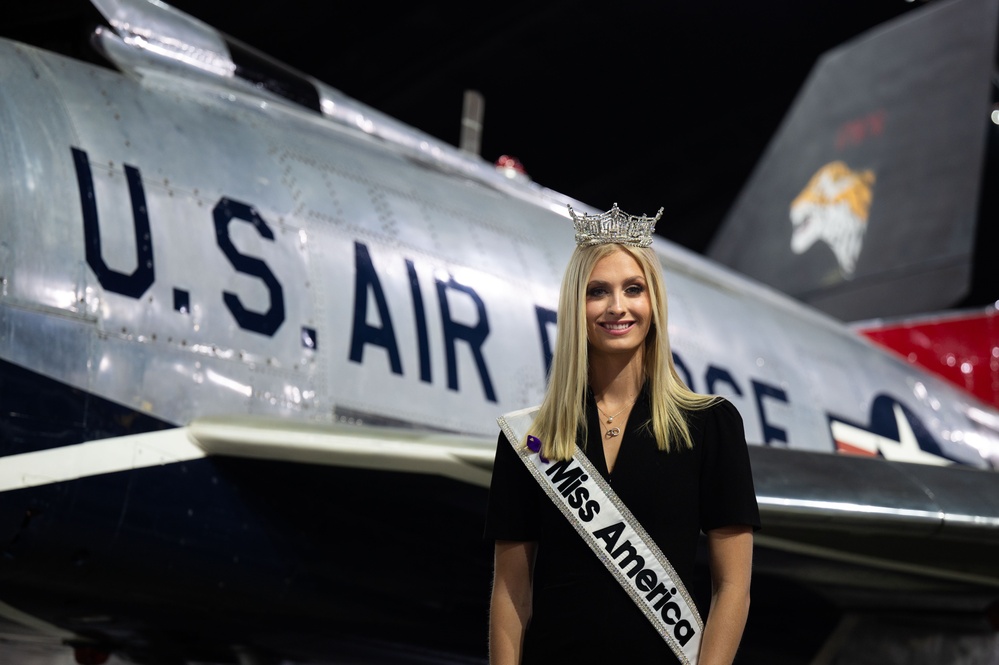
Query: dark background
{"x": 647, "y": 104}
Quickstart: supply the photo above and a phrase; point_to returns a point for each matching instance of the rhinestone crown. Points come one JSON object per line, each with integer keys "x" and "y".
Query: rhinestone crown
{"x": 614, "y": 226}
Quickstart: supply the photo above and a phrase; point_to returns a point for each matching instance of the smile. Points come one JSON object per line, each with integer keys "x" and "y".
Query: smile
{"x": 617, "y": 328}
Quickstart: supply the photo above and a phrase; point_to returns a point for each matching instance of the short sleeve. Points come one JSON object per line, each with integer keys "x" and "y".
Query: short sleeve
{"x": 512, "y": 513}
{"x": 728, "y": 496}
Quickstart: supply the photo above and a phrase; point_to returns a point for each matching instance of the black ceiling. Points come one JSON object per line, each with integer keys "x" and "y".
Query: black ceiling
{"x": 644, "y": 103}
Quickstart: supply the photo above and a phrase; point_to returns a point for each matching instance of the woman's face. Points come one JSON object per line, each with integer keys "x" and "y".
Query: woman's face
{"x": 618, "y": 307}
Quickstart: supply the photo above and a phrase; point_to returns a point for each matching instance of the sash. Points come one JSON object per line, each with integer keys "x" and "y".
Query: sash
{"x": 615, "y": 536}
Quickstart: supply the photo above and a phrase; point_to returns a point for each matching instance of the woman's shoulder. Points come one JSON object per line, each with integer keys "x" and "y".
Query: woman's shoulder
{"x": 722, "y": 408}
{"x": 714, "y": 406}
{"x": 720, "y": 413}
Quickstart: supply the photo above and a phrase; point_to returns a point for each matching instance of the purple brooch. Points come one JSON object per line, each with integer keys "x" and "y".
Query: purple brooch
{"x": 534, "y": 445}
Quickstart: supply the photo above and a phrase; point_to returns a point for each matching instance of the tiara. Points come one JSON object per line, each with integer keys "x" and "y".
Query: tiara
{"x": 614, "y": 226}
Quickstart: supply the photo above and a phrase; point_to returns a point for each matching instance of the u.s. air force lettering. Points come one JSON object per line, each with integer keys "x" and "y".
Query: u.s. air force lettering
{"x": 614, "y": 535}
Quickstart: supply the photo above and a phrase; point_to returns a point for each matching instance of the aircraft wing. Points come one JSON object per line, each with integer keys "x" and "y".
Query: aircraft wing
{"x": 935, "y": 522}
{"x": 465, "y": 458}
{"x": 927, "y": 524}
{"x": 938, "y": 523}
{"x": 837, "y": 507}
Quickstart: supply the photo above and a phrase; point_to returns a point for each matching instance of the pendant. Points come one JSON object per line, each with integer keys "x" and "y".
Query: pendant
{"x": 610, "y": 420}
{"x": 612, "y": 432}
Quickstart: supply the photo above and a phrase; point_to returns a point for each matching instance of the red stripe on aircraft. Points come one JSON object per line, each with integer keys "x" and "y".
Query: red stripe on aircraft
{"x": 962, "y": 349}
{"x": 850, "y": 449}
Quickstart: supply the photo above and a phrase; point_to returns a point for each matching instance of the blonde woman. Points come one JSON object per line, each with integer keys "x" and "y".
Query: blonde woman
{"x": 673, "y": 461}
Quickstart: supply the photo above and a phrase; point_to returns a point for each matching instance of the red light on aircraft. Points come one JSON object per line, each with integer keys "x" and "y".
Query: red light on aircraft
{"x": 511, "y": 167}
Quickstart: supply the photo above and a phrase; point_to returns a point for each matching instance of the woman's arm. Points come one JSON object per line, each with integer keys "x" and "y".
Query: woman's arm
{"x": 730, "y": 554}
{"x": 510, "y": 608}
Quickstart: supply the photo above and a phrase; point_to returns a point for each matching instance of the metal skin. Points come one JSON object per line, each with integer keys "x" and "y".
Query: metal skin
{"x": 253, "y": 353}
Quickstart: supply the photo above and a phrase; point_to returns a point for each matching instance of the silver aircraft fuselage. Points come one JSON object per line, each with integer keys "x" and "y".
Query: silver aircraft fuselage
{"x": 189, "y": 250}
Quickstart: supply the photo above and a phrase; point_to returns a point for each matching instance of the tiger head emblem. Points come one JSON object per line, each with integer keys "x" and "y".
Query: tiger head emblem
{"x": 833, "y": 207}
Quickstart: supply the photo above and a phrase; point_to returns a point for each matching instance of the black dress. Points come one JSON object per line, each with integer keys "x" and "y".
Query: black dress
{"x": 580, "y": 613}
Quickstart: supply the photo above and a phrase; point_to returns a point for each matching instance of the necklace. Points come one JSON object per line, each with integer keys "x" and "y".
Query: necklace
{"x": 610, "y": 419}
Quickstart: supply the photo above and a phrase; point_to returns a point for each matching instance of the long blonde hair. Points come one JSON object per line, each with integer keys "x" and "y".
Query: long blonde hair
{"x": 563, "y": 412}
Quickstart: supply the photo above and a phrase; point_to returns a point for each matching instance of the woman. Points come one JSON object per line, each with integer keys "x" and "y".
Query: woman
{"x": 676, "y": 459}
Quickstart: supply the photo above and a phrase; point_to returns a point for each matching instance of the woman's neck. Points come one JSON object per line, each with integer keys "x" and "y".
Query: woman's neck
{"x": 616, "y": 379}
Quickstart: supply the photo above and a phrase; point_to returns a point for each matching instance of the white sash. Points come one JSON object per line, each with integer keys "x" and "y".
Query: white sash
{"x": 615, "y": 536}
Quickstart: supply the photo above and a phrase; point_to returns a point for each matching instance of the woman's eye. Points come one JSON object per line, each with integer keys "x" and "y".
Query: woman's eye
{"x": 635, "y": 289}
{"x": 596, "y": 292}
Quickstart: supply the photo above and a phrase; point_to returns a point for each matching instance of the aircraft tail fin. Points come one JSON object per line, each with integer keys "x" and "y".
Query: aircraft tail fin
{"x": 867, "y": 200}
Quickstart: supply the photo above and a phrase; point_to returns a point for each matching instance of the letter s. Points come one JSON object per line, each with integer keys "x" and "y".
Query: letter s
{"x": 589, "y": 511}
{"x": 577, "y": 498}
{"x": 264, "y": 323}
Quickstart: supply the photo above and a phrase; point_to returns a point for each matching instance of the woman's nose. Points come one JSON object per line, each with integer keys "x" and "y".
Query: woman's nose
{"x": 614, "y": 304}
